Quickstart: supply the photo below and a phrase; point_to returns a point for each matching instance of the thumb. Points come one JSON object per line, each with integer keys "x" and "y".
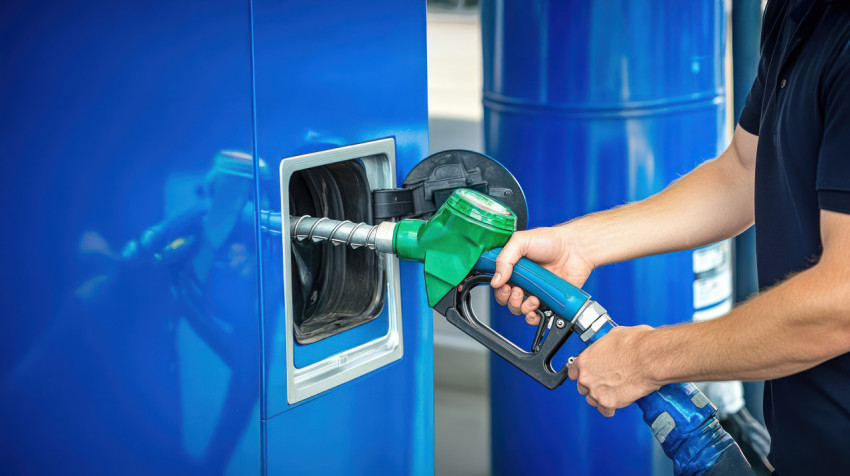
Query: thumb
{"x": 572, "y": 371}
{"x": 510, "y": 254}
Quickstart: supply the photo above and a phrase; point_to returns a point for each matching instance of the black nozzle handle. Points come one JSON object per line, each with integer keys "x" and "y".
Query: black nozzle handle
{"x": 562, "y": 298}
{"x": 538, "y": 365}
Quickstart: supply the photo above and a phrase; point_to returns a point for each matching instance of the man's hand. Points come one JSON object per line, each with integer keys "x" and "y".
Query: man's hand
{"x": 548, "y": 247}
{"x": 611, "y": 372}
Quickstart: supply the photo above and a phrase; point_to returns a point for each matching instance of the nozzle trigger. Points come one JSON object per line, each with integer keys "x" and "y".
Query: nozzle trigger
{"x": 544, "y": 324}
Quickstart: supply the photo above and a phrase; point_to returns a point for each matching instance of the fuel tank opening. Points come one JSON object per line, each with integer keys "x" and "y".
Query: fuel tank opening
{"x": 334, "y": 288}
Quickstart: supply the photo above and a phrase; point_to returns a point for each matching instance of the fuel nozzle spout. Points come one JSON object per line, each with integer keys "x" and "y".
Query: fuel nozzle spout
{"x": 343, "y": 232}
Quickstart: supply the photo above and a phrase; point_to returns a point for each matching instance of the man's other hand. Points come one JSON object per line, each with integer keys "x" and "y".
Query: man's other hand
{"x": 610, "y": 372}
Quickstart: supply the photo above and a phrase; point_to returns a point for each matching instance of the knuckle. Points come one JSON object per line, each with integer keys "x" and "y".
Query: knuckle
{"x": 504, "y": 262}
{"x": 582, "y": 379}
{"x": 607, "y": 400}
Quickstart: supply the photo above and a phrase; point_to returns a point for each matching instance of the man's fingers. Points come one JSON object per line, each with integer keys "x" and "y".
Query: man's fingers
{"x": 513, "y": 298}
{"x": 572, "y": 371}
{"x": 605, "y": 411}
{"x": 510, "y": 254}
{"x": 530, "y": 305}
{"x": 502, "y": 294}
{"x": 582, "y": 389}
{"x": 529, "y": 308}
{"x": 515, "y": 301}
{"x": 505, "y": 294}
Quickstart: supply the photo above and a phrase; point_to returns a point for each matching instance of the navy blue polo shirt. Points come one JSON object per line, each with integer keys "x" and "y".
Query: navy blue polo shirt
{"x": 799, "y": 106}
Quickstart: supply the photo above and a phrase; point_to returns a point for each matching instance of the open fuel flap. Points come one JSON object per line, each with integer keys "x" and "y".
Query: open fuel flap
{"x": 342, "y": 305}
{"x": 431, "y": 182}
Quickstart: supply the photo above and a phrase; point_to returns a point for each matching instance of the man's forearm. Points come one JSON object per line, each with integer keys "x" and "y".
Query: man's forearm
{"x": 711, "y": 203}
{"x": 794, "y": 326}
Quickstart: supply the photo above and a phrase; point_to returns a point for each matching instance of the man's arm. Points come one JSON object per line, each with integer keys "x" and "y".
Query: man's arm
{"x": 711, "y": 203}
{"x": 794, "y": 326}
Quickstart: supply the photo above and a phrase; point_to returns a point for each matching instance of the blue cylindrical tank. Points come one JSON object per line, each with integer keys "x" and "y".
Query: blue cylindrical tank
{"x": 592, "y": 105}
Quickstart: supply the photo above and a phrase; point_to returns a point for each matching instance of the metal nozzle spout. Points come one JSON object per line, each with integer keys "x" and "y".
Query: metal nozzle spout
{"x": 375, "y": 237}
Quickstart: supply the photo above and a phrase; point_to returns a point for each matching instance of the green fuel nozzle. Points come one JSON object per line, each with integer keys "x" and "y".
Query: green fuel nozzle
{"x": 467, "y": 225}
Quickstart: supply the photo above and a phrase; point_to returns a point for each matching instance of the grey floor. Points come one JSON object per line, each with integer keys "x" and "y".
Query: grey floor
{"x": 462, "y": 429}
{"x": 461, "y": 366}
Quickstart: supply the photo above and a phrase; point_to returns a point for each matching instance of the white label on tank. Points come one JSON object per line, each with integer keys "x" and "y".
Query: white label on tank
{"x": 712, "y": 266}
{"x": 713, "y": 312}
{"x": 708, "y": 291}
{"x": 710, "y": 257}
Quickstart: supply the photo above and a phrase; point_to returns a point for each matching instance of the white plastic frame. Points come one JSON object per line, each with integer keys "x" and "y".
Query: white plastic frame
{"x": 378, "y": 158}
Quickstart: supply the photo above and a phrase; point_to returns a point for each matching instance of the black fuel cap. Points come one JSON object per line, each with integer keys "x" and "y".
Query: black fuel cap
{"x": 437, "y": 176}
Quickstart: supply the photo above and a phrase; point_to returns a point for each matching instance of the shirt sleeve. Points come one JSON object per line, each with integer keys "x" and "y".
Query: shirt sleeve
{"x": 750, "y": 118}
{"x": 833, "y": 171}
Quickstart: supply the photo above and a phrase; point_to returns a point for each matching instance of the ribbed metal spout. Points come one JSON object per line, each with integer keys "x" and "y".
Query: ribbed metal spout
{"x": 376, "y": 237}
